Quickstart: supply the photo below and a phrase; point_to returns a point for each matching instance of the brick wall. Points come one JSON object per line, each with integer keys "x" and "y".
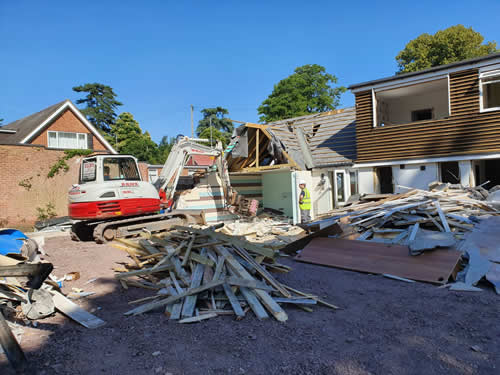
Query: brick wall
{"x": 67, "y": 122}
{"x": 143, "y": 170}
{"x": 30, "y": 165}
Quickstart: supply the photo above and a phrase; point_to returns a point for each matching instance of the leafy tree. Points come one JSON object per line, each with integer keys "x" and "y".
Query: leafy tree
{"x": 1, "y": 121}
{"x": 217, "y": 135}
{"x": 143, "y": 148}
{"x": 216, "y": 116}
{"x": 127, "y": 137}
{"x": 101, "y": 105}
{"x": 306, "y": 91}
{"x": 453, "y": 44}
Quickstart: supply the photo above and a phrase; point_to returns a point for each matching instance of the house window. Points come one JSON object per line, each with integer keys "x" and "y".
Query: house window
{"x": 67, "y": 140}
{"x": 353, "y": 181}
{"x": 420, "y": 101}
{"x": 490, "y": 90}
{"x": 421, "y": 114}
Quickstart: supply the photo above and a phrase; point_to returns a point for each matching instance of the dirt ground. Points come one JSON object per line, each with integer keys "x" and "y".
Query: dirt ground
{"x": 385, "y": 327}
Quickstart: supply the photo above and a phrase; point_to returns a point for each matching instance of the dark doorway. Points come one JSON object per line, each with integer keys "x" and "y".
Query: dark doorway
{"x": 492, "y": 173}
{"x": 450, "y": 172}
{"x": 385, "y": 178}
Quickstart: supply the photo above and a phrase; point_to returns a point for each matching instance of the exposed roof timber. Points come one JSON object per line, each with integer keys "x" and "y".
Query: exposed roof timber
{"x": 477, "y": 62}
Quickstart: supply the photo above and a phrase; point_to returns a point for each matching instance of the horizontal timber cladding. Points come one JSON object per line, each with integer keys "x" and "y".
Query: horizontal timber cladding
{"x": 466, "y": 131}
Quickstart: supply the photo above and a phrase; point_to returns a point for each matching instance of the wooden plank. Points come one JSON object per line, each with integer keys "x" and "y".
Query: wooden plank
{"x": 153, "y": 305}
{"x": 190, "y": 301}
{"x": 257, "y": 141}
{"x": 262, "y": 271}
{"x": 235, "y": 304}
{"x": 11, "y": 347}
{"x": 148, "y": 247}
{"x": 131, "y": 243}
{"x": 413, "y": 232}
{"x": 316, "y": 298}
{"x": 442, "y": 217}
{"x": 144, "y": 271}
{"x": 433, "y": 266}
{"x": 232, "y": 240}
{"x": 248, "y": 283}
{"x": 188, "y": 251}
{"x": 75, "y": 312}
{"x": 176, "y": 307}
{"x": 219, "y": 268}
{"x": 195, "y": 257}
{"x": 254, "y": 304}
{"x": 266, "y": 299}
{"x": 301, "y": 301}
{"x": 199, "y": 318}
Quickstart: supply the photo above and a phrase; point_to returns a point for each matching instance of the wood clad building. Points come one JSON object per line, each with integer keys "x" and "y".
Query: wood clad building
{"x": 439, "y": 124}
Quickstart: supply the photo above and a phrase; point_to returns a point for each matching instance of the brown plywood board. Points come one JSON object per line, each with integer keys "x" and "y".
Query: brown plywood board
{"x": 432, "y": 266}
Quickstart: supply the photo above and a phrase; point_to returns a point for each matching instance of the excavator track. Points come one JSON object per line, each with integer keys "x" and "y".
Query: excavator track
{"x": 102, "y": 232}
{"x": 121, "y": 228}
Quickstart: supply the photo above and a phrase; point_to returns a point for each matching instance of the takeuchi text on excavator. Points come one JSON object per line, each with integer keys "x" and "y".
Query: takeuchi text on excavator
{"x": 111, "y": 200}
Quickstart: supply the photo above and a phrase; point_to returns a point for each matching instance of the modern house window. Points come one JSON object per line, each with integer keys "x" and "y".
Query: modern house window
{"x": 490, "y": 90}
{"x": 67, "y": 140}
{"x": 353, "y": 181}
{"x": 422, "y": 101}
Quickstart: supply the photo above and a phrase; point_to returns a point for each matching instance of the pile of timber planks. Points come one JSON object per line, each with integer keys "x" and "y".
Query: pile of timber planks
{"x": 198, "y": 274}
{"x": 401, "y": 218}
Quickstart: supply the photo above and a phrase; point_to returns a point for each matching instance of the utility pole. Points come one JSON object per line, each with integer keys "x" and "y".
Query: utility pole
{"x": 192, "y": 124}
{"x": 210, "y": 131}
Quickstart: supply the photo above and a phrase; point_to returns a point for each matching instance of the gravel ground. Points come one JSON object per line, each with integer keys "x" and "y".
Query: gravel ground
{"x": 385, "y": 327}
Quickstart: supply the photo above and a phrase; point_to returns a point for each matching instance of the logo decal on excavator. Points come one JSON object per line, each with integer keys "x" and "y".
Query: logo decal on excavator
{"x": 130, "y": 184}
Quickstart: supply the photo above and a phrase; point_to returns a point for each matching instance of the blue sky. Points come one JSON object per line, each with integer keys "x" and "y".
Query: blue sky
{"x": 162, "y": 56}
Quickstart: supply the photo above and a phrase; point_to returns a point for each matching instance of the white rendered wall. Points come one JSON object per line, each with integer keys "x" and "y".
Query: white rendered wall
{"x": 411, "y": 176}
{"x": 366, "y": 181}
{"x": 466, "y": 174}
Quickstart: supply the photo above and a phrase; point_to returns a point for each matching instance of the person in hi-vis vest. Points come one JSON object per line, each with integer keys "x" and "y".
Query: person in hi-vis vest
{"x": 304, "y": 203}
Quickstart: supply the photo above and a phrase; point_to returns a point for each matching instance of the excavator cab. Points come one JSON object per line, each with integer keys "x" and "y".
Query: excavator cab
{"x": 111, "y": 186}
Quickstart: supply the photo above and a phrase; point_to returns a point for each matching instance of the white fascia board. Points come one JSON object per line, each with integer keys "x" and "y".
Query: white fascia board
{"x": 426, "y": 76}
{"x": 91, "y": 127}
{"x": 426, "y": 161}
{"x": 46, "y": 122}
{"x": 8, "y": 131}
{"x": 68, "y": 104}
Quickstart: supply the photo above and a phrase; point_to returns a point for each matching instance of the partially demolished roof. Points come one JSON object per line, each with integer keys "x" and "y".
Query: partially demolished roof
{"x": 330, "y": 136}
{"x": 306, "y": 142}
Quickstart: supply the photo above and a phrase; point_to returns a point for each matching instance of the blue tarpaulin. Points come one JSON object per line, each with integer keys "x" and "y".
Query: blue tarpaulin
{"x": 10, "y": 241}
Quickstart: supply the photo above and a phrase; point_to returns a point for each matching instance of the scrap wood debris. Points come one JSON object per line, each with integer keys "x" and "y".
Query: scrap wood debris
{"x": 443, "y": 217}
{"x": 409, "y": 218}
{"x": 199, "y": 274}
{"x": 29, "y": 292}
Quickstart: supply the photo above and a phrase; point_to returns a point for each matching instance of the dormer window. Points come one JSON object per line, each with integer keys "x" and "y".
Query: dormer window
{"x": 490, "y": 90}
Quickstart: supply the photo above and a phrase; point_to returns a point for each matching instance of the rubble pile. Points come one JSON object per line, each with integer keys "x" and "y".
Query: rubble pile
{"x": 198, "y": 274}
{"x": 447, "y": 216}
{"x": 410, "y": 218}
{"x": 268, "y": 230}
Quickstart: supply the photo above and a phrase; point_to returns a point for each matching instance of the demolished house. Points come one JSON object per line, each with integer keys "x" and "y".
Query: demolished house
{"x": 436, "y": 124}
{"x": 267, "y": 161}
